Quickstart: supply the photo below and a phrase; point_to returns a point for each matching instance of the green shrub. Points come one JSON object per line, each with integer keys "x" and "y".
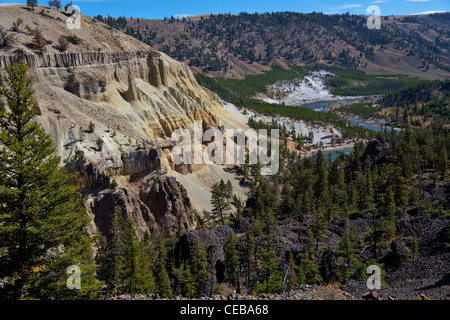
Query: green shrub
{"x": 74, "y": 39}
{"x": 114, "y": 184}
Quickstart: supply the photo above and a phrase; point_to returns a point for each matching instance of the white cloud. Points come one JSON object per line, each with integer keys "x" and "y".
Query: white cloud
{"x": 349, "y": 6}
{"x": 2, "y": 4}
{"x": 332, "y": 12}
{"x": 427, "y": 12}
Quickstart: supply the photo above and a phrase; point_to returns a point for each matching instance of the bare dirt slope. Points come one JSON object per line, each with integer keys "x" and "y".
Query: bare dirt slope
{"x": 52, "y": 22}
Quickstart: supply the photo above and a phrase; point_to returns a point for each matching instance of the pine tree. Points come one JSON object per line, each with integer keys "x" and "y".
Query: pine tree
{"x": 163, "y": 285}
{"x": 387, "y": 211}
{"x": 42, "y": 219}
{"x": 321, "y": 189}
{"x": 199, "y": 262}
{"x": 248, "y": 259}
{"x": 366, "y": 192}
{"x": 374, "y": 232}
{"x": 110, "y": 252}
{"x": 188, "y": 282}
{"x": 91, "y": 127}
{"x": 287, "y": 200}
{"x": 135, "y": 273}
{"x": 308, "y": 269}
{"x": 231, "y": 259}
{"x": 220, "y": 204}
{"x": 32, "y": 4}
{"x": 319, "y": 227}
{"x": 400, "y": 190}
{"x": 39, "y": 41}
{"x": 349, "y": 264}
{"x": 443, "y": 163}
{"x": 291, "y": 277}
{"x": 271, "y": 278}
{"x": 307, "y": 203}
{"x": 337, "y": 185}
{"x": 228, "y": 190}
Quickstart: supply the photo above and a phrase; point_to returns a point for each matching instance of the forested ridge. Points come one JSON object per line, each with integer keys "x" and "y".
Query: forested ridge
{"x": 218, "y": 43}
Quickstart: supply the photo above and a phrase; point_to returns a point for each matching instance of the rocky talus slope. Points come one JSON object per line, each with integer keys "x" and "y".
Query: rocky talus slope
{"x": 305, "y": 292}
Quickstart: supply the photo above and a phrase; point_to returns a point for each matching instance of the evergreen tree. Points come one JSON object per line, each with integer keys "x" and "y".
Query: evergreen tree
{"x": 374, "y": 232}
{"x": 400, "y": 190}
{"x": 319, "y": 227}
{"x": 337, "y": 185}
{"x": 163, "y": 285}
{"x": 136, "y": 271}
{"x": 291, "y": 277}
{"x": 248, "y": 258}
{"x": 322, "y": 182}
{"x": 199, "y": 262}
{"x": 366, "y": 192}
{"x": 287, "y": 200}
{"x": 110, "y": 252}
{"x": 91, "y": 127}
{"x": 39, "y": 41}
{"x": 42, "y": 219}
{"x": 307, "y": 204}
{"x": 228, "y": 190}
{"x": 387, "y": 211}
{"x": 308, "y": 270}
{"x": 220, "y": 204}
{"x": 231, "y": 259}
{"x": 188, "y": 282}
{"x": 443, "y": 163}
{"x": 349, "y": 264}
{"x": 271, "y": 278}
{"x": 32, "y": 4}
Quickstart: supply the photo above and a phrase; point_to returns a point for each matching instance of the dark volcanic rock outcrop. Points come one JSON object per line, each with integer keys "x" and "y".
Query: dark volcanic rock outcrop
{"x": 102, "y": 206}
{"x": 162, "y": 204}
{"x": 377, "y": 150}
{"x": 170, "y": 204}
{"x": 213, "y": 241}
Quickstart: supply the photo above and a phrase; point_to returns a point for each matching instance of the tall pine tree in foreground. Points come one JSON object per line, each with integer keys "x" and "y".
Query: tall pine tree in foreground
{"x": 42, "y": 220}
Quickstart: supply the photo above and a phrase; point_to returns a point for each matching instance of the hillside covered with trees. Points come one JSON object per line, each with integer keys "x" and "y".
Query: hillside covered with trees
{"x": 237, "y": 45}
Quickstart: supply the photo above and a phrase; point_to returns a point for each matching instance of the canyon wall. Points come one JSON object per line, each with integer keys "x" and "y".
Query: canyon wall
{"x": 133, "y": 100}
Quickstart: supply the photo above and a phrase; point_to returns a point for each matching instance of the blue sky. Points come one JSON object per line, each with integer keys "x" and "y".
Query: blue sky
{"x": 158, "y": 9}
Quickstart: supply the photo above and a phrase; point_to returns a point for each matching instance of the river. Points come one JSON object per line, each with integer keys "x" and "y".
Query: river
{"x": 323, "y": 106}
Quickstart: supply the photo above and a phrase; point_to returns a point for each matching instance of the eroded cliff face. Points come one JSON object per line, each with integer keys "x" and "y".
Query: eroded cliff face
{"x": 152, "y": 92}
{"x": 111, "y": 104}
{"x": 161, "y": 204}
{"x": 170, "y": 203}
{"x": 134, "y": 100}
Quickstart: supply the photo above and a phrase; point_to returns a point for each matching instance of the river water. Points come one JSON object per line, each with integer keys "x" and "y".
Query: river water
{"x": 323, "y": 106}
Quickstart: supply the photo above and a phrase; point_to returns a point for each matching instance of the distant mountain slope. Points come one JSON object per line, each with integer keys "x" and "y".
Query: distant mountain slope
{"x": 237, "y": 45}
